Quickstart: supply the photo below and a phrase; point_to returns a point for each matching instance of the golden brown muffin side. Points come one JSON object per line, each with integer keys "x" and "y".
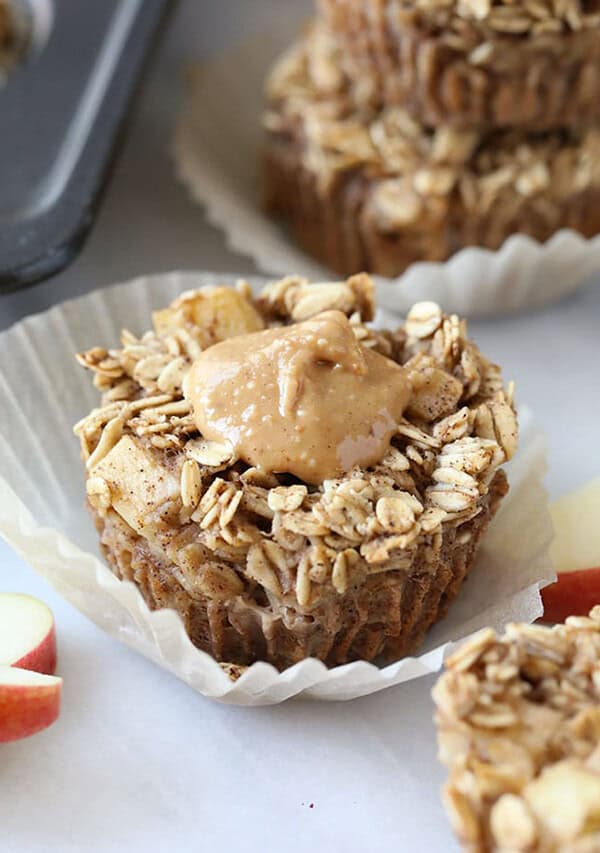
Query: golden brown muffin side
{"x": 385, "y": 617}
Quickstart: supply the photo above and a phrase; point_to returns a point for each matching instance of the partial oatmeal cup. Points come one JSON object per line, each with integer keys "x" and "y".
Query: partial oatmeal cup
{"x": 518, "y": 721}
{"x": 292, "y": 481}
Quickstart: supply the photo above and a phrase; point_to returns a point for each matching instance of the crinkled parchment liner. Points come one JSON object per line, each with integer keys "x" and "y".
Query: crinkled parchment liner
{"x": 43, "y": 392}
{"x": 217, "y": 146}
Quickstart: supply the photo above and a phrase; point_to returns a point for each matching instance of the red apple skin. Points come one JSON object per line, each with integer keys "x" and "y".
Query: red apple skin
{"x": 573, "y": 594}
{"x": 43, "y": 658}
{"x": 29, "y": 624}
{"x": 26, "y": 709}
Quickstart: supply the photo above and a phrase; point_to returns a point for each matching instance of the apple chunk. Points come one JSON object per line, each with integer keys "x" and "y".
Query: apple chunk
{"x": 29, "y": 702}
{"x": 217, "y": 313}
{"x": 139, "y": 484}
{"x": 27, "y": 634}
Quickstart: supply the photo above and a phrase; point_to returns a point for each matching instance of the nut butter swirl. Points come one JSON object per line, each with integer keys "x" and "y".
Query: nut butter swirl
{"x": 305, "y": 399}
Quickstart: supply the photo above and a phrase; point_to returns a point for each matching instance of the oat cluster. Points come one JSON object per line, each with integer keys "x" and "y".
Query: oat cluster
{"x": 519, "y": 729}
{"x": 472, "y": 25}
{"x": 415, "y": 175}
{"x": 229, "y": 529}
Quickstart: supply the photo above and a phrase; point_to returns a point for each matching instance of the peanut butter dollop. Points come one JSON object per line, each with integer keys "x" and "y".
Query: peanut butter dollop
{"x": 305, "y": 399}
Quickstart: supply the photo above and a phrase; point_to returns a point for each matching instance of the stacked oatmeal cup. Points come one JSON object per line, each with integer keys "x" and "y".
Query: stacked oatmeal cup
{"x": 404, "y": 130}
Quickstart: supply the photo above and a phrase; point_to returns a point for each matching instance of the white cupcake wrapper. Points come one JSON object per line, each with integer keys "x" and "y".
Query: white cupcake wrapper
{"x": 43, "y": 392}
{"x": 217, "y": 156}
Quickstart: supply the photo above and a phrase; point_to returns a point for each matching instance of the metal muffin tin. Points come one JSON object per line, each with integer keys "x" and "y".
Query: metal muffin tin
{"x": 61, "y": 107}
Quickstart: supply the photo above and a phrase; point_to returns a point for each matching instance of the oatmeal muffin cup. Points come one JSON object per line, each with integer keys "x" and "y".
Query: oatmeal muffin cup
{"x": 291, "y": 480}
{"x": 378, "y": 190}
{"x": 519, "y": 729}
{"x": 474, "y": 63}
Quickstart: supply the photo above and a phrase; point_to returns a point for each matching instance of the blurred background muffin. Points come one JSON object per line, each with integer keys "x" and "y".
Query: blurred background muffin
{"x": 397, "y": 132}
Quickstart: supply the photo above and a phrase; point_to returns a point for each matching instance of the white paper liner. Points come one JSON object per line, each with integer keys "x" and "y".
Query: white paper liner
{"x": 217, "y": 156}
{"x": 43, "y": 392}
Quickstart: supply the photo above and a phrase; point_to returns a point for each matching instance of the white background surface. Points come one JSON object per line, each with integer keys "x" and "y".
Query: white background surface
{"x": 137, "y": 760}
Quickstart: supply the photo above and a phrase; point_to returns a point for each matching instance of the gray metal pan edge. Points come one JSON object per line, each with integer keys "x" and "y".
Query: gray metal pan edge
{"x": 60, "y": 113}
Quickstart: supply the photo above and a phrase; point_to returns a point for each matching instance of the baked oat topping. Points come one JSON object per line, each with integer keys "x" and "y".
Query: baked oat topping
{"x": 474, "y": 26}
{"x": 519, "y": 729}
{"x": 205, "y": 509}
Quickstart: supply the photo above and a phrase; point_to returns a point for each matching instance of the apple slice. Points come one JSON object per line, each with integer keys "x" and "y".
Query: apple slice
{"x": 29, "y": 702}
{"x": 576, "y": 519}
{"x": 573, "y": 594}
{"x": 27, "y": 634}
{"x": 576, "y": 555}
